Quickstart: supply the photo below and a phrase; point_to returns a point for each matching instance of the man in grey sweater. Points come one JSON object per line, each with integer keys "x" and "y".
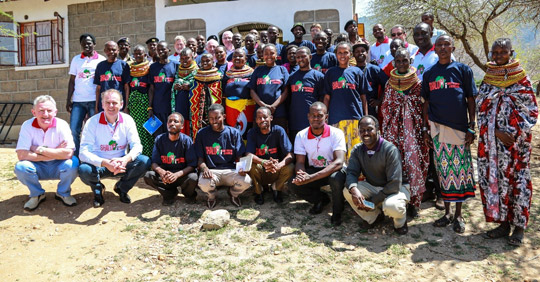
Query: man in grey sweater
{"x": 379, "y": 162}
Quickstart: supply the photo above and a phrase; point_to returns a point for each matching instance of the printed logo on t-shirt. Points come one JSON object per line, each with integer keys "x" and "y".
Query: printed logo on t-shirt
{"x": 170, "y": 158}
{"x": 299, "y": 87}
{"x": 136, "y": 83}
{"x": 420, "y": 69}
{"x": 264, "y": 150}
{"x": 85, "y": 74}
{"x": 112, "y": 146}
{"x": 342, "y": 83}
{"x": 216, "y": 150}
{"x": 320, "y": 161}
{"x": 440, "y": 83}
{"x": 380, "y": 60}
{"x": 317, "y": 67}
{"x": 233, "y": 80}
{"x": 266, "y": 80}
{"x": 163, "y": 78}
{"x": 108, "y": 76}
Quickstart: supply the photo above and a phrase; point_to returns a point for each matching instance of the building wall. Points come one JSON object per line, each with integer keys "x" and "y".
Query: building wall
{"x": 327, "y": 18}
{"x": 187, "y": 27}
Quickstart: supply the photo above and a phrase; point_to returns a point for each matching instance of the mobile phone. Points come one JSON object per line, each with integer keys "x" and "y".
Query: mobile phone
{"x": 369, "y": 204}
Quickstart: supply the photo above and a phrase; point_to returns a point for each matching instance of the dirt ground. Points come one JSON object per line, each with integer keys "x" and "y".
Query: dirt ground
{"x": 145, "y": 241}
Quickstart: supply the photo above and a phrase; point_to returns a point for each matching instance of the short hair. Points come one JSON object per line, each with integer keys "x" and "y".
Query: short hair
{"x": 163, "y": 42}
{"x": 445, "y": 35}
{"x": 374, "y": 119}
{"x": 503, "y": 43}
{"x": 84, "y": 35}
{"x": 112, "y": 91}
{"x": 321, "y": 34}
{"x": 398, "y": 39}
{"x": 398, "y": 26}
{"x": 270, "y": 45}
{"x": 227, "y": 31}
{"x": 404, "y": 51}
{"x": 180, "y": 37}
{"x": 317, "y": 105}
{"x": 222, "y": 47}
{"x": 44, "y": 98}
{"x": 264, "y": 109}
{"x": 186, "y": 51}
{"x": 240, "y": 50}
{"x": 216, "y": 107}
{"x": 341, "y": 44}
{"x": 315, "y": 25}
{"x": 177, "y": 113}
{"x": 305, "y": 49}
{"x": 140, "y": 46}
{"x": 428, "y": 14}
{"x": 290, "y": 46}
{"x": 211, "y": 41}
{"x": 341, "y": 38}
{"x": 208, "y": 55}
{"x": 250, "y": 35}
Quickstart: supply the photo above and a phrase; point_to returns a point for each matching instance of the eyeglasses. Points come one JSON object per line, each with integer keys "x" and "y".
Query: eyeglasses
{"x": 397, "y": 34}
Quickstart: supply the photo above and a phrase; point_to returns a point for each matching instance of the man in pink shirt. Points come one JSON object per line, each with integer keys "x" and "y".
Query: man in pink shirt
{"x": 45, "y": 151}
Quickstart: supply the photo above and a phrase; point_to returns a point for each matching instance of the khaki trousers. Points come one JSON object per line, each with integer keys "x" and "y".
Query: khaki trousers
{"x": 260, "y": 177}
{"x": 224, "y": 177}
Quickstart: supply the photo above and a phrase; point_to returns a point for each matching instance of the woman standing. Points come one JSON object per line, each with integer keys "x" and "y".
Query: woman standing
{"x": 507, "y": 111}
{"x": 138, "y": 98}
{"x": 402, "y": 125}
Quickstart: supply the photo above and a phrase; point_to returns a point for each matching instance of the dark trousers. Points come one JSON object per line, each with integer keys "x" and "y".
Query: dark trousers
{"x": 187, "y": 183}
{"x": 432, "y": 182}
{"x": 312, "y": 193}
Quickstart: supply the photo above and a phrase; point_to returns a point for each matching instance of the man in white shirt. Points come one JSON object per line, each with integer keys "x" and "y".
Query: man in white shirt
{"x": 104, "y": 149}
{"x": 45, "y": 151}
{"x": 81, "y": 98}
{"x": 398, "y": 31}
{"x": 320, "y": 153}
{"x": 428, "y": 18}
{"x": 381, "y": 46}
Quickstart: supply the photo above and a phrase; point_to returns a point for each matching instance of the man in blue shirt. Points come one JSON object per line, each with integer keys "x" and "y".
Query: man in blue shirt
{"x": 298, "y": 31}
{"x": 111, "y": 74}
{"x": 272, "y": 156}
{"x": 173, "y": 163}
{"x": 218, "y": 146}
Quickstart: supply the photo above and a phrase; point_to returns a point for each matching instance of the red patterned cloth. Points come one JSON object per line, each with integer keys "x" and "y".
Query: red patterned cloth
{"x": 402, "y": 125}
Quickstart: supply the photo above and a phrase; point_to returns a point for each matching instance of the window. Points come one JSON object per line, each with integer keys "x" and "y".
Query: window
{"x": 32, "y": 43}
{"x": 43, "y": 43}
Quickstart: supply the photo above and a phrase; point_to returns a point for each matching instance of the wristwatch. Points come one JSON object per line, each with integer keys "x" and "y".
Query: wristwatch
{"x": 40, "y": 150}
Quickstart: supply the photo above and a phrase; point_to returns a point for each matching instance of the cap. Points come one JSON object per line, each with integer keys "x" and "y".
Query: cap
{"x": 361, "y": 44}
{"x": 123, "y": 39}
{"x": 300, "y": 25}
{"x": 350, "y": 22}
{"x": 153, "y": 39}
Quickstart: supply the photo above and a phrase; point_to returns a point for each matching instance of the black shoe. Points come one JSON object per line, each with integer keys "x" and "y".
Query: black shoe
{"x": 402, "y": 230}
{"x": 124, "y": 197}
{"x": 167, "y": 202}
{"x": 412, "y": 212}
{"x": 335, "y": 219}
{"x": 318, "y": 207}
{"x": 259, "y": 199}
{"x": 98, "y": 198}
{"x": 278, "y": 196}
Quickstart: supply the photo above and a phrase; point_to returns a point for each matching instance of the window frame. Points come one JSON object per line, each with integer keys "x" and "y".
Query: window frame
{"x": 14, "y": 27}
{"x": 56, "y": 43}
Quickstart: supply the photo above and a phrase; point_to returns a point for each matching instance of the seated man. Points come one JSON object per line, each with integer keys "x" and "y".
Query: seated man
{"x": 218, "y": 146}
{"x": 45, "y": 151}
{"x": 379, "y": 162}
{"x": 173, "y": 162}
{"x": 323, "y": 147}
{"x": 105, "y": 139}
{"x": 269, "y": 144}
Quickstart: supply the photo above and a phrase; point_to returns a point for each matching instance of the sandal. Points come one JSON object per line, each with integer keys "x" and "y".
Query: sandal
{"x": 517, "y": 238}
{"x": 459, "y": 225}
{"x": 443, "y": 221}
{"x": 499, "y": 232}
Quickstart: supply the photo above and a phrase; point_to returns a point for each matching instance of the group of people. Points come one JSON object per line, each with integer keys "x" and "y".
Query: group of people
{"x": 383, "y": 124}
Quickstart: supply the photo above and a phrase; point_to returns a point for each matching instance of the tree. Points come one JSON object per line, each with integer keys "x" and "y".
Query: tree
{"x": 473, "y": 23}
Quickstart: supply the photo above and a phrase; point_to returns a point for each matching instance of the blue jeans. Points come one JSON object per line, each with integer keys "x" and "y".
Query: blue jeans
{"x": 92, "y": 175}
{"x": 78, "y": 113}
{"x": 30, "y": 173}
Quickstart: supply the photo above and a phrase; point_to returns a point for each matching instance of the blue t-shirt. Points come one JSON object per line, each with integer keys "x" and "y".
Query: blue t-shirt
{"x": 162, "y": 77}
{"x": 447, "y": 88}
{"x": 306, "y": 88}
{"x": 112, "y": 76}
{"x": 376, "y": 77}
{"x": 323, "y": 62}
{"x": 274, "y": 145}
{"x": 279, "y": 50}
{"x": 294, "y": 68}
{"x": 222, "y": 68}
{"x": 220, "y": 150}
{"x": 236, "y": 87}
{"x": 345, "y": 87}
{"x": 268, "y": 83}
{"x": 174, "y": 155}
{"x": 306, "y": 43}
{"x": 140, "y": 84}
{"x": 331, "y": 48}
{"x": 251, "y": 60}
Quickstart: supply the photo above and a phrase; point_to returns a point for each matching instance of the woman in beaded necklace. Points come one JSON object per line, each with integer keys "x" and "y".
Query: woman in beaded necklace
{"x": 507, "y": 111}
{"x": 402, "y": 125}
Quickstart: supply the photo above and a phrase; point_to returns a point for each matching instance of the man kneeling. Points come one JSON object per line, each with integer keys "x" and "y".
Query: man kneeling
{"x": 105, "y": 139}
{"x": 173, "y": 163}
{"x": 380, "y": 163}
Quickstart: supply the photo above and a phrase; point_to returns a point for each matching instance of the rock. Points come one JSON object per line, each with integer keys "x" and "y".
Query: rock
{"x": 37, "y": 226}
{"x": 161, "y": 257}
{"x": 216, "y": 219}
{"x": 104, "y": 221}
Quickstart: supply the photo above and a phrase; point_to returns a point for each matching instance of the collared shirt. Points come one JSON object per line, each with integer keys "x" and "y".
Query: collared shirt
{"x": 378, "y": 51}
{"x": 319, "y": 150}
{"x": 422, "y": 62}
{"x": 436, "y": 33}
{"x": 31, "y": 134}
{"x": 84, "y": 68}
{"x": 101, "y": 141}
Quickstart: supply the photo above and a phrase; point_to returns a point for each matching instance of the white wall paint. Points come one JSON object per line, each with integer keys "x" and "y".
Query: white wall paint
{"x": 221, "y": 15}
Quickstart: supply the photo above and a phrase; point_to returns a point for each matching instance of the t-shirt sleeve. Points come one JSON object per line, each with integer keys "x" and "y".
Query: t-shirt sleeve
{"x": 383, "y": 78}
{"x": 318, "y": 86}
{"x": 339, "y": 141}
{"x": 126, "y": 76}
{"x": 299, "y": 148}
{"x": 156, "y": 158}
{"x": 285, "y": 77}
{"x": 97, "y": 74}
{"x": 285, "y": 143}
{"x": 327, "y": 82}
{"x": 251, "y": 140}
{"x": 191, "y": 156}
{"x": 252, "y": 84}
{"x": 424, "y": 92}
{"x": 199, "y": 146}
{"x": 363, "y": 84}
{"x": 73, "y": 68}
{"x": 469, "y": 87}
{"x": 239, "y": 146}
{"x": 25, "y": 138}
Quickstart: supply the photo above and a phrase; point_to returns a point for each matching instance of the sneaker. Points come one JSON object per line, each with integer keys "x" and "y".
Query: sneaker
{"x": 33, "y": 203}
{"x": 98, "y": 197}
{"x": 67, "y": 200}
